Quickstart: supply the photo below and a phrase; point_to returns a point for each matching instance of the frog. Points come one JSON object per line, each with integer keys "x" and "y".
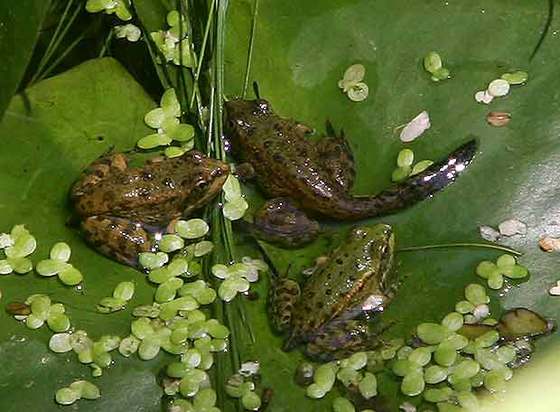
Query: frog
{"x": 317, "y": 176}
{"x": 332, "y": 312}
{"x": 123, "y": 210}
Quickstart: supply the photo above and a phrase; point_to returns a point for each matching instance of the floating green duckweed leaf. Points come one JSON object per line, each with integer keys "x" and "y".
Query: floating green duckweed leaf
{"x": 152, "y": 260}
{"x": 169, "y": 103}
{"x": 50, "y": 267}
{"x": 413, "y": 384}
{"x": 154, "y": 118}
{"x": 421, "y": 166}
{"x": 124, "y": 291}
{"x": 70, "y": 276}
{"x": 435, "y": 374}
{"x": 315, "y": 391}
{"x": 129, "y": 345}
{"x": 154, "y": 140}
{"x": 61, "y": 252}
{"x": 251, "y": 401}
{"x": 66, "y": 396}
{"x": 203, "y": 248}
{"x": 171, "y": 243}
{"x": 235, "y": 209}
{"x": 495, "y": 281}
{"x": 352, "y": 76}
{"x": 174, "y": 151}
{"x": 445, "y": 354}
{"x": 476, "y": 294}
{"x": 405, "y": 158}
{"x": 453, "y": 321}
{"x": 515, "y": 78}
{"x": 58, "y": 322}
{"x": 60, "y": 343}
{"x": 441, "y": 74}
{"x": 20, "y": 265}
{"x": 5, "y": 267}
{"x": 401, "y": 173}
{"x": 87, "y": 390}
{"x": 181, "y": 132}
{"x": 368, "y": 385}
{"x": 432, "y": 62}
{"x": 232, "y": 188}
{"x": 358, "y": 92}
{"x": 435, "y": 395}
{"x": 420, "y": 356}
{"x": 342, "y": 405}
{"x": 192, "y": 228}
{"x": 431, "y": 333}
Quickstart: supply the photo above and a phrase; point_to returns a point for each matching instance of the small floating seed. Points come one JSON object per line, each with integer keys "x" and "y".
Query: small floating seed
{"x": 498, "y": 119}
{"x": 342, "y": 405}
{"x": 498, "y": 88}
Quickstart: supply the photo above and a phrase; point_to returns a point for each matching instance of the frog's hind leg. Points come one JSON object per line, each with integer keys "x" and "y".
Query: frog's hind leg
{"x": 283, "y": 295}
{"x": 98, "y": 171}
{"x": 117, "y": 238}
{"x": 337, "y": 157}
{"x": 340, "y": 339}
{"x": 280, "y": 222}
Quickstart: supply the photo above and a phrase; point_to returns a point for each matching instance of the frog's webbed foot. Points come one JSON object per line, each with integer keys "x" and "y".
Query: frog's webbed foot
{"x": 340, "y": 339}
{"x": 283, "y": 295}
{"x": 337, "y": 157}
{"x": 98, "y": 171}
{"x": 280, "y": 222}
{"x": 117, "y": 238}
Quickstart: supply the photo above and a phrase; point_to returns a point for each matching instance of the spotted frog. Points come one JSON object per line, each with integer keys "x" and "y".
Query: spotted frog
{"x": 120, "y": 208}
{"x": 316, "y": 176}
{"x": 328, "y": 313}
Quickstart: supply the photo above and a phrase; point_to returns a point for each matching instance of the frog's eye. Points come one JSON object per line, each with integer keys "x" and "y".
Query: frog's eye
{"x": 262, "y": 106}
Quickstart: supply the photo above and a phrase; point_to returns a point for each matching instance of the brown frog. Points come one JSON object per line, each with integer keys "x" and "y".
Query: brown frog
{"x": 317, "y": 176}
{"x": 120, "y": 208}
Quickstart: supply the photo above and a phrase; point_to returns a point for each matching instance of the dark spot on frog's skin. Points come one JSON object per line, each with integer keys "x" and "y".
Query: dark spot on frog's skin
{"x": 170, "y": 183}
{"x": 100, "y": 138}
{"x": 268, "y": 143}
{"x": 278, "y": 157}
{"x": 339, "y": 261}
{"x": 147, "y": 176}
{"x": 328, "y": 292}
{"x": 109, "y": 197}
{"x": 98, "y": 173}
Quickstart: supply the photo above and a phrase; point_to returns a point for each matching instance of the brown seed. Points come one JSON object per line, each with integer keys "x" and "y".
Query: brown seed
{"x": 549, "y": 244}
{"x": 498, "y": 119}
{"x": 18, "y": 308}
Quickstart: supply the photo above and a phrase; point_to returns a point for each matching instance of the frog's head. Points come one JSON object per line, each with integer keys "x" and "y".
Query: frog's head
{"x": 244, "y": 116}
{"x": 380, "y": 241}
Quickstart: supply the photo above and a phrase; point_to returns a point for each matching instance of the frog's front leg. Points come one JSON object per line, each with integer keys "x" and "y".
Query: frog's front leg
{"x": 117, "y": 238}
{"x": 282, "y": 297}
{"x": 280, "y": 222}
{"x": 341, "y": 338}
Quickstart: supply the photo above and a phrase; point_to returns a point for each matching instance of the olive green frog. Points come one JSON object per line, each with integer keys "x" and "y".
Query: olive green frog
{"x": 327, "y": 313}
